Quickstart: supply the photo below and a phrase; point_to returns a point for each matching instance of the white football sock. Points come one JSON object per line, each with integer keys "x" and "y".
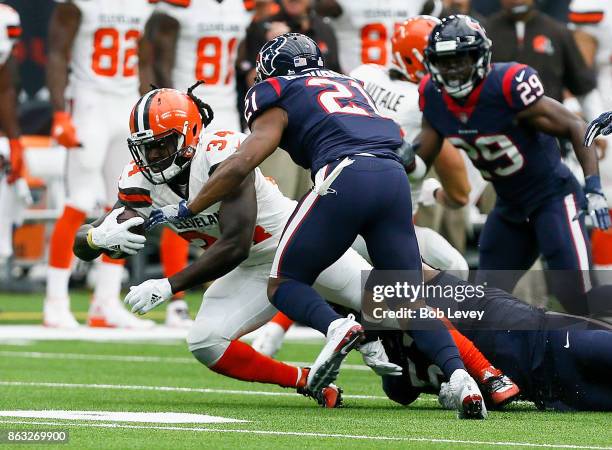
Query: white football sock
{"x": 108, "y": 283}
{"x": 57, "y": 283}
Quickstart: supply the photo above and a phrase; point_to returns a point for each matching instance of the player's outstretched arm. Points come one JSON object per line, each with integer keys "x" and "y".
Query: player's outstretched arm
{"x": 237, "y": 216}
{"x": 266, "y": 133}
{"x": 551, "y": 117}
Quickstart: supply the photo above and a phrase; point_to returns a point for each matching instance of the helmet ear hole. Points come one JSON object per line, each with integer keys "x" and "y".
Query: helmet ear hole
{"x": 195, "y": 130}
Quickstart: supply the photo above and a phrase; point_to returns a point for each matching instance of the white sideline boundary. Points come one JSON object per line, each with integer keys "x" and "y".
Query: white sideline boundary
{"x": 302, "y": 434}
{"x": 10, "y": 333}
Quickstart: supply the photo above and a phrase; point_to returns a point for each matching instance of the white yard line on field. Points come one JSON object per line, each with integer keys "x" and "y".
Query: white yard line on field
{"x": 301, "y": 434}
{"x": 127, "y": 387}
{"x": 137, "y": 359}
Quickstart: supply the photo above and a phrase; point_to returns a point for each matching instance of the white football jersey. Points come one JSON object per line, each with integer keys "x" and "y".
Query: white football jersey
{"x": 10, "y": 31}
{"x": 104, "y": 54}
{"x": 208, "y": 39}
{"x": 595, "y": 18}
{"x": 365, "y": 28}
{"x": 397, "y": 100}
{"x": 273, "y": 208}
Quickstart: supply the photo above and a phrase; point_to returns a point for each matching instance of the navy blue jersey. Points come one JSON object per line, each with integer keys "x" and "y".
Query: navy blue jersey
{"x": 523, "y": 164}
{"x": 330, "y": 116}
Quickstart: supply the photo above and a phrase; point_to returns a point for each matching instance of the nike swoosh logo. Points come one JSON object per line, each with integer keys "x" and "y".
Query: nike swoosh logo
{"x": 566, "y": 340}
{"x": 520, "y": 76}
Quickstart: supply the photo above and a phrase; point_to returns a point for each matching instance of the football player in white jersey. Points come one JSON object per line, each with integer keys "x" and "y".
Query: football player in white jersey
{"x": 197, "y": 39}
{"x": 12, "y": 182}
{"x": 592, "y": 20}
{"x": 364, "y": 28}
{"x": 173, "y": 159}
{"x": 395, "y": 92}
{"x": 93, "y": 79}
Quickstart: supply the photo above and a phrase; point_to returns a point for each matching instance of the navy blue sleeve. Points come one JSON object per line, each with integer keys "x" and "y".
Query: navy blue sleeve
{"x": 521, "y": 86}
{"x": 261, "y": 97}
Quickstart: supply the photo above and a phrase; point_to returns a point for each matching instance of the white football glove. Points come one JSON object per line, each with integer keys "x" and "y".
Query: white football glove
{"x": 375, "y": 357}
{"x": 427, "y": 197}
{"x": 117, "y": 237}
{"x": 147, "y": 295}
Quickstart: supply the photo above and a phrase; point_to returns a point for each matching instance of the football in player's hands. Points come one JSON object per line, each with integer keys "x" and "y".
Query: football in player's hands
{"x": 127, "y": 214}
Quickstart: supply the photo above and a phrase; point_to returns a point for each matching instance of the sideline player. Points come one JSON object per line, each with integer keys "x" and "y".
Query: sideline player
{"x": 364, "y": 29}
{"x": 13, "y": 187}
{"x": 500, "y": 117}
{"x": 559, "y": 361}
{"x": 394, "y": 91}
{"x": 93, "y": 78}
{"x": 334, "y": 130}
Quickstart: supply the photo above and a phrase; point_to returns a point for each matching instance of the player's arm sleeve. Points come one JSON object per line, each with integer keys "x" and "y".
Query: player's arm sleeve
{"x": 261, "y": 97}
{"x": 521, "y": 86}
{"x": 134, "y": 191}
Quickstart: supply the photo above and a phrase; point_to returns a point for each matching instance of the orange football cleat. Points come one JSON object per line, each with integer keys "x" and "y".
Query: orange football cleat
{"x": 499, "y": 388}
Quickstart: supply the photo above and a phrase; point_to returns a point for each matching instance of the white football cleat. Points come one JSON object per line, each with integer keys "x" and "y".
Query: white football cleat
{"x": 177, "y": 315}
{"x": 112, "y": 314}
{"x": 270, "y": 339}
{"x": 343, "y": 335}
{"x": 462, "y": 394}
{"x": 56, "y": 314}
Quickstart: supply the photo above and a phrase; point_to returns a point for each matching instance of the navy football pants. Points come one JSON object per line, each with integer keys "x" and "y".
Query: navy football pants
{"x": 579, "y": 364}
{"x": 371, "y": 198}
{"x": 551, "y": 231}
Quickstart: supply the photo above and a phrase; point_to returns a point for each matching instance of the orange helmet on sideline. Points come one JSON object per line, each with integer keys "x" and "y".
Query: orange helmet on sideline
{"x": 408, "y": 46}
{"x": 165, "y": 126}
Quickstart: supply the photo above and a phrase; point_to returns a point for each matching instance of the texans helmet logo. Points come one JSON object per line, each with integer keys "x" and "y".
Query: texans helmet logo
{"x": 267, "y": 55}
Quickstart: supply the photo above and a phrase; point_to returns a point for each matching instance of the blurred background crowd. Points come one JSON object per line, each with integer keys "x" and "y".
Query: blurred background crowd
{"x": 565, "y": 41}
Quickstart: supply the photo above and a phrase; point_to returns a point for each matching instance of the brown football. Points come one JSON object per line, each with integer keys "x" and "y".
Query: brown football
{"x": 127, "y": 214}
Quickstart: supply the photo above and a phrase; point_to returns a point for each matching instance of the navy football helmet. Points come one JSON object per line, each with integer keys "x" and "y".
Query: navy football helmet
{"x": 288, "y": 54}
{"x": 458, "y": 55}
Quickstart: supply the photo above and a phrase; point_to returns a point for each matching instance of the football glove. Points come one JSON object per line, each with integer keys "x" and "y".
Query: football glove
{"x": 601, "y": 125}
{"x": 375, "y": 357}
{"x": 597, "y": 205}
{"x": 16, "y": 158}
{"x": 116, "y": 237}
{"x": 63, "y": 130}
{"x": 169, "y": 214}
{"x": 427, "y": 196}
{"x": 147, "y": 295}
